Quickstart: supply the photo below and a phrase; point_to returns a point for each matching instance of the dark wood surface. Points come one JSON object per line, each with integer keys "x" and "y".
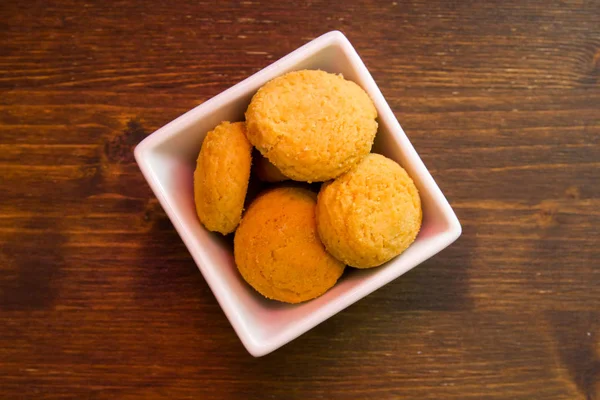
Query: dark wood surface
{"x": 100, "y": 299}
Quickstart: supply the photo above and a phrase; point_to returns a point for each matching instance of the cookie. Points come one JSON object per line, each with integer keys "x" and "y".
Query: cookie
{"x": 277, "y": 249}
{"x": 370, "y": 214}
{"x": 312, "y": 125}
{"x": 221, "y": 177}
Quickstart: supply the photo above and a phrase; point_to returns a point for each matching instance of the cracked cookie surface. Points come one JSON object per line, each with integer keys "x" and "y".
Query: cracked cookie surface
{"x": 370, "y": 214}
{"x": 277, "y": 249}
{"x": 312, "y": 125}
{"x": 221, "y": 177}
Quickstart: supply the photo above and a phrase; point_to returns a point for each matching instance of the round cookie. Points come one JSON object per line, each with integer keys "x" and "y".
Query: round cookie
{"x": 277, "y": 249}
{"x": 370, "y": 214}
{"x": 312, "y": 125}
{"x": 221, "y": 177}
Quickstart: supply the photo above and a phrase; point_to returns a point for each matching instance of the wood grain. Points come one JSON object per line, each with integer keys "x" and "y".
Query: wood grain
{"x": 99, "y": 298}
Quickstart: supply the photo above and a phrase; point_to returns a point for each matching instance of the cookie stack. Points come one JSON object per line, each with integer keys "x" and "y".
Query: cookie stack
{"x": 291, "y": 244}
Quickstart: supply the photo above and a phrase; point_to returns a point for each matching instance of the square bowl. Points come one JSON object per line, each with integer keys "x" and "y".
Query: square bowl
{"x": 167, "y": 159}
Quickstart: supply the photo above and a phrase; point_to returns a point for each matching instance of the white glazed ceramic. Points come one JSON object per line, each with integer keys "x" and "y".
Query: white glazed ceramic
{"x": 167, "y": 159}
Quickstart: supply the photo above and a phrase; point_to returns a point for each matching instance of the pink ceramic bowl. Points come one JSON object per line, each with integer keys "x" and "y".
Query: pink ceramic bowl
{"x": 167, "y": 159}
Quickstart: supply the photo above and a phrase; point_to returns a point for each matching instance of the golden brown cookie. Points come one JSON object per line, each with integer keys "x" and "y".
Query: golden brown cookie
{"x": 277, "y": 249}
{"x": 370, "y": 214}
{"x": 221, "y": 177}
{"x": 312, "y": 125}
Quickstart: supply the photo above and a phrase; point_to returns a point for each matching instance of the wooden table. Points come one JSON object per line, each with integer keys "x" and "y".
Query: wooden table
{"x": 100, "y": 299}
